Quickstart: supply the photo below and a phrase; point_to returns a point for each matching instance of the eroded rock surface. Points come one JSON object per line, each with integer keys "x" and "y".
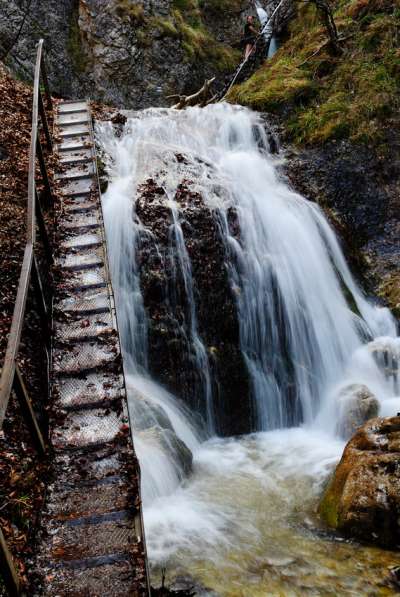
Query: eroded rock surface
{"x": 363, "y": 498}
{"x": 359, "y": 186}
{"x": 171, "y": 356}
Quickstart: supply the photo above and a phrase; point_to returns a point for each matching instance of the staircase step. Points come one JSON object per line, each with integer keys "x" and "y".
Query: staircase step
{"x": 78, "y": 187}
{"x": 94, "y": 387}
{"x": 88, "y": 302}
{"x": 88, "y": 327}
{"x": 75, "y": 359}
{"x": 74, "y": 130}
{"x": 79, "y": 261}
{"x": 89, "y": 239}
{"x": 68, "y": 107}
{"x": 86, "y": 428}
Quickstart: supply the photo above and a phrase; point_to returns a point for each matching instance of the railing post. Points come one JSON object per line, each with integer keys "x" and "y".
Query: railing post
{"x": 46, "y": 82}
{"x": 43, "y": 230}
{"x": 44, "y": 315}
{"x": 8, "y": 570}
{"x": 43, "y": 171}
{"x": 28, "y": 412}
{"x": 45, "y": 123}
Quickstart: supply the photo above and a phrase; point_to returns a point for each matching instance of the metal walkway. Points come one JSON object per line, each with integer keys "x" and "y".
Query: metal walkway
{"x": 92, "y": 542}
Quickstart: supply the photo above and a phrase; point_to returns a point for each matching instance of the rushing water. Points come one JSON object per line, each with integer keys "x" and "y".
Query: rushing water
{"x": 243, "y": 522}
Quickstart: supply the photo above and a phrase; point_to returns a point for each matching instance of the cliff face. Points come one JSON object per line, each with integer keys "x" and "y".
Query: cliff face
{"x": 127, "y": 53}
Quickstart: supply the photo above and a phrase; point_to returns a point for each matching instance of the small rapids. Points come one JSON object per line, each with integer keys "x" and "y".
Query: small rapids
{"x": 238, "y": 516}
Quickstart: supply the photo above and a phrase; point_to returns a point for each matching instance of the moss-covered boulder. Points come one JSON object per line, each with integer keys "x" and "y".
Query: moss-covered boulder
{"x": 362, "y": 499}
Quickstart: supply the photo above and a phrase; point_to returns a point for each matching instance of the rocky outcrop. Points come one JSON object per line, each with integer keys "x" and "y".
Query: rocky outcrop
{"x": 356, "y": 405}
{"x": 363, "y": 498}
{"x": 359, "y": 187}
{"x": 171, "y": 357}
{"x": 124, "y": 52}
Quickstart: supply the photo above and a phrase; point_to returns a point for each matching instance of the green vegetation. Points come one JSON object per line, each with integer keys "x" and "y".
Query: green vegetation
{"x": 323, "y": 96}
{"x": 187, "y": 25}
{"x": 132, "y": 10}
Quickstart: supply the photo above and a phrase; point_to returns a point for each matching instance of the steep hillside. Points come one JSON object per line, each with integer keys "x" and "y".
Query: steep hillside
{"x": 128, "y": 53}
{"x": 341, "y": 115}
{"x": 322, "y": 96}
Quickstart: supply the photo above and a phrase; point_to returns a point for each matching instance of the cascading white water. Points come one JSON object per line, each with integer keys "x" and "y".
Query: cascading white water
{"x": 201, "y": 362}
{"x": 301, "y": 341}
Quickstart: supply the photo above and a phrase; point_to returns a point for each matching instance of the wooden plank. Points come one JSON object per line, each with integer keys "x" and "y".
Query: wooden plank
{"x": 7, "y": 375}
{"x": 28, "y": 412}
{"x": 8, "y": 571}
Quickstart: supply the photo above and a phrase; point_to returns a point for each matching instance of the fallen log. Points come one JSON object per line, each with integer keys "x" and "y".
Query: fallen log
{"x": 200, "y": 98}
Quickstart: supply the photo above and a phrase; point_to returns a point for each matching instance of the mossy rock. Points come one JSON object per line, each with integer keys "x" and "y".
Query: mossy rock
{"x": 362, "y": 499}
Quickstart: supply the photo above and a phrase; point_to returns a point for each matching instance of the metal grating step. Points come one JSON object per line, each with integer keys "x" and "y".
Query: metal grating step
{"x": 82, "y": 541}
{"x": 77, "y": 261}
{"x": 75, "y": 106}
{"x": 83, "y": 428}
{"x": 78, "y": 187}
{"x": 77, "y": 171}
{"x": 89, "y": 326}
{"x": 76, "y": 144}
{"x": 80, "y": 205}
{"x": 89, "y": 239}
{"x": 75, "y": 392}
{"x": 85, "y": 500}
{"x": 90, "y": 219}
{"x": 76, "y": 359}
{"x": 91, "y": 301}
{"x": 84, "y": 279}
{"x": 75, "y": 130}
{"x": 79, "y": 156}
{"x": 72, "y": 118}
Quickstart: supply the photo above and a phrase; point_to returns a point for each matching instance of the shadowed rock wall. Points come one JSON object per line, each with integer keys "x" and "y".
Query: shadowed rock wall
{"x": 127, "y": 53}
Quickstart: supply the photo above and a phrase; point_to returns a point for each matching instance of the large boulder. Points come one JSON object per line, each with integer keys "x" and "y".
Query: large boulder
{"x": 362, "y": 499}
{"x": 356, "y": 405}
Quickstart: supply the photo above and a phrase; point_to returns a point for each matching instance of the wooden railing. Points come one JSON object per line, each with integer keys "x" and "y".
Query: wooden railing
{"x": 39, "y": 205}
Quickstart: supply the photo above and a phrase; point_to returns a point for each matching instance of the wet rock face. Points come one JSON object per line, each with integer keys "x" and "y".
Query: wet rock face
{"x": 129, "y": 53}
{"x": 360, "y": 186}
{"x": 171, "y": 356}
{"x": 356, "y": 406}
{"x": 363, "y": 498}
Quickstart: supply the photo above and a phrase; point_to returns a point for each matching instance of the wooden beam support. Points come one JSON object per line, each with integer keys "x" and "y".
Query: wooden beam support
{"x": 28, "y": 412}
{"x": 8, "y": 570}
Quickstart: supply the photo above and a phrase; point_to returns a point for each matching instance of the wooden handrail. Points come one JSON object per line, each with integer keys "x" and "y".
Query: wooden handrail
{"x": 8, "y": 370}
{"x": 11, "y": 377}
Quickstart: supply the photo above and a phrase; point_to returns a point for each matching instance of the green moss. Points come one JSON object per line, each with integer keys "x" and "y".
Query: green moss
{"x": 390, "y": 291}
{"x": 270, "y": 88}
{"x": 329, "y": 508}
{"x": 131, "y": 9}
{"x": 165, "y": 26}
{"x": 333, "y": 97}
{"x": 197, "y": 42}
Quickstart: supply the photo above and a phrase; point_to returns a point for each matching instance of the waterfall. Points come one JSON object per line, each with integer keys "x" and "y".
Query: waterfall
{"x": 291, "y": 283}
{"x": 201, "y": 362}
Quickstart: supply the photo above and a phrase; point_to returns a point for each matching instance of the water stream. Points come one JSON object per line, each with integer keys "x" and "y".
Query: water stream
{"x": 243, "y": 521}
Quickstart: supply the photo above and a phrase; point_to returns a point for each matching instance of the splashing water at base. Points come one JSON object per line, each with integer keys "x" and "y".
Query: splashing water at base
{"x": 243, "y": 523}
